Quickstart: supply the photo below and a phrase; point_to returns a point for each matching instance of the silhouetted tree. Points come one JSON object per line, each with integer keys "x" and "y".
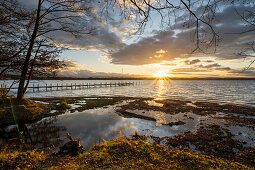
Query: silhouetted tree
{"x": 24, "y": 30}
{"x": 14, "y": 21}
{"x": 15, "y": 26}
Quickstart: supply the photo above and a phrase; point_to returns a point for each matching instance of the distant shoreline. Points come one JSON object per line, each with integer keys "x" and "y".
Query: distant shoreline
{"x": 129, "y": 78}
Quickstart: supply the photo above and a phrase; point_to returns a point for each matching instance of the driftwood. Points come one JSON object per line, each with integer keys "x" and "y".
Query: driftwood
{"x": 73, "y": 147}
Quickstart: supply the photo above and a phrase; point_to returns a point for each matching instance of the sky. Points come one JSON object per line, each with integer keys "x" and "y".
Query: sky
{"x": 115, "y": 50}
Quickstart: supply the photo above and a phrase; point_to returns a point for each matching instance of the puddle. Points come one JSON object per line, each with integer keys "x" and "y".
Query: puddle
{"x": 192, "y": 105}
{"x": 243, "y": 134}
{"x": 76, "y": 105}
{"x": 42, "y": 102}
{"x": 154, "y": 103}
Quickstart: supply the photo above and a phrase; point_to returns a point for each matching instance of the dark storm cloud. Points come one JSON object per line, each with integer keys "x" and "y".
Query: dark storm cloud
{"x": 180, "y": 45}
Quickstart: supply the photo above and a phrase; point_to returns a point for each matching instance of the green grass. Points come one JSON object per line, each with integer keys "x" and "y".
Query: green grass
{"x": 25, "y": 110}
{"x": 63, "y": 106}
{"x": 99, "y": 102}
{"x": 118, "y": 154}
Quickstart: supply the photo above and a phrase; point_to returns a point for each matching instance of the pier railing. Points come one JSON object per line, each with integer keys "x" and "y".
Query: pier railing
{"x": 61, "y": 87}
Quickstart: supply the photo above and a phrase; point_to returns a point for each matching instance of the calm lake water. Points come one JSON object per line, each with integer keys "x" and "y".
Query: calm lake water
{"x": 222, "y": 91}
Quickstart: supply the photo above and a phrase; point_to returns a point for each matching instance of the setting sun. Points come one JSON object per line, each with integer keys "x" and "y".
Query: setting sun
{"x": 161, "y": 73}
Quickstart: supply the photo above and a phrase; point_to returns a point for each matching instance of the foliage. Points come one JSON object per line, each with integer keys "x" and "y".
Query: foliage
{"x": 63, "y": 106}
{"x": 118, "y": 154}
{"x": 25, "y": 110}
{"x": 100, "y": 102}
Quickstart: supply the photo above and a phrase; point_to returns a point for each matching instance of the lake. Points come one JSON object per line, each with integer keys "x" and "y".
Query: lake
{"x": 221, "y": 91}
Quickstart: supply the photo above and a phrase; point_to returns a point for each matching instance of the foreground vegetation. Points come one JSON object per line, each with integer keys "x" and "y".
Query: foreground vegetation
{"x": 14, "y": 111}
{"x": 216, "y": 142}
{"x": 120, "y": 153}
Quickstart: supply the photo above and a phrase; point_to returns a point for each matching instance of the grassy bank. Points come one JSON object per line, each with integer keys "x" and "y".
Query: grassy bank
{"x": 117, "y": 154}
{"x": 14, "y": 111}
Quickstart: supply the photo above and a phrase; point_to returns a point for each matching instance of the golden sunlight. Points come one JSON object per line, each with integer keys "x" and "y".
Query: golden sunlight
{"x": 161, "y": 73}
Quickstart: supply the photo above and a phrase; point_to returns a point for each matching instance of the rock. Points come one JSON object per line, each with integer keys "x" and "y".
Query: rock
{"x": 73, "y": 147}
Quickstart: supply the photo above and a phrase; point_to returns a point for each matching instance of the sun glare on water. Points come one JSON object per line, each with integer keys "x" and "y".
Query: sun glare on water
{"x": 161, "y": 73}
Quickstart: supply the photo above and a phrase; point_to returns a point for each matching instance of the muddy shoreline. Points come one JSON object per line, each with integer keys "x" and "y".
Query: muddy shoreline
{"x": 216, "y": 129}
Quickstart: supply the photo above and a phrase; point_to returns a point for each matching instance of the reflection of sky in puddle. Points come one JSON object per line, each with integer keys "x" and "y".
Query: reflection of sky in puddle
{"x": 191, "y": 120}
{"x": 95, "y": 125}
{"x": 192, "y": 105}
{"x": 154, "y": 103}
{"x": 243, "y": 134}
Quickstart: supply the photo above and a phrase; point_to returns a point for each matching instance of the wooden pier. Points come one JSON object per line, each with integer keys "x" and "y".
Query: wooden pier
{"x": 61, "y": 87}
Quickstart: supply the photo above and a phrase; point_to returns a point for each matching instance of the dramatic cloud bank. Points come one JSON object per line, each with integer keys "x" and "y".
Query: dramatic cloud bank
{"x": 178, "y": 43}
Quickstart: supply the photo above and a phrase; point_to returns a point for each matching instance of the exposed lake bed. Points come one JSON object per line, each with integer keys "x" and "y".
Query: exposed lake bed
{"x": 222, "y": 130}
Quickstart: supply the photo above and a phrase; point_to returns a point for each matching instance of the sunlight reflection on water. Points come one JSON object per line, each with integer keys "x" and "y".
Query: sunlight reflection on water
{"x": 225, "y": 91}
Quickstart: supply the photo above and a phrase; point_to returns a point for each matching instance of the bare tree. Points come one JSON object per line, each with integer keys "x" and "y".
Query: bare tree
{"x": 13, "y": 36}
{"x": 52, "y": 16}
{"x": 249, "y": 53}
{"x": 15, "y": 26}
{"x": 198, "y": 16}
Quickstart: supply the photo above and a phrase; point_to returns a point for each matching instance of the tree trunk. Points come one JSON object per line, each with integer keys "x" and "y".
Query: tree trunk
{"x": 31, "y": 70}
{"x": 22, "y": 80}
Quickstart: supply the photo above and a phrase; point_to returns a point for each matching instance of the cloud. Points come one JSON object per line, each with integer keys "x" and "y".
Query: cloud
{"x": 178, "y": 43}
{"x": 98, "y": 35}
{"x": 168, "y": 64}
{"x": 209, "y": 61}
{"x": 88, "y": 73}
{"x": 190, "y": 69}
{"x": 203, "y": 68}
{"x": 210, "y": 65}
{"x": 73, "y": 69}
{"x": 101, "y": 38}
{"x": 70, "y": 65}
{"x": 244, "y": 73}
{"x": 223, "y": 68}
{"x": 146, "y": 50}
{"x": 190, "y": 62}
